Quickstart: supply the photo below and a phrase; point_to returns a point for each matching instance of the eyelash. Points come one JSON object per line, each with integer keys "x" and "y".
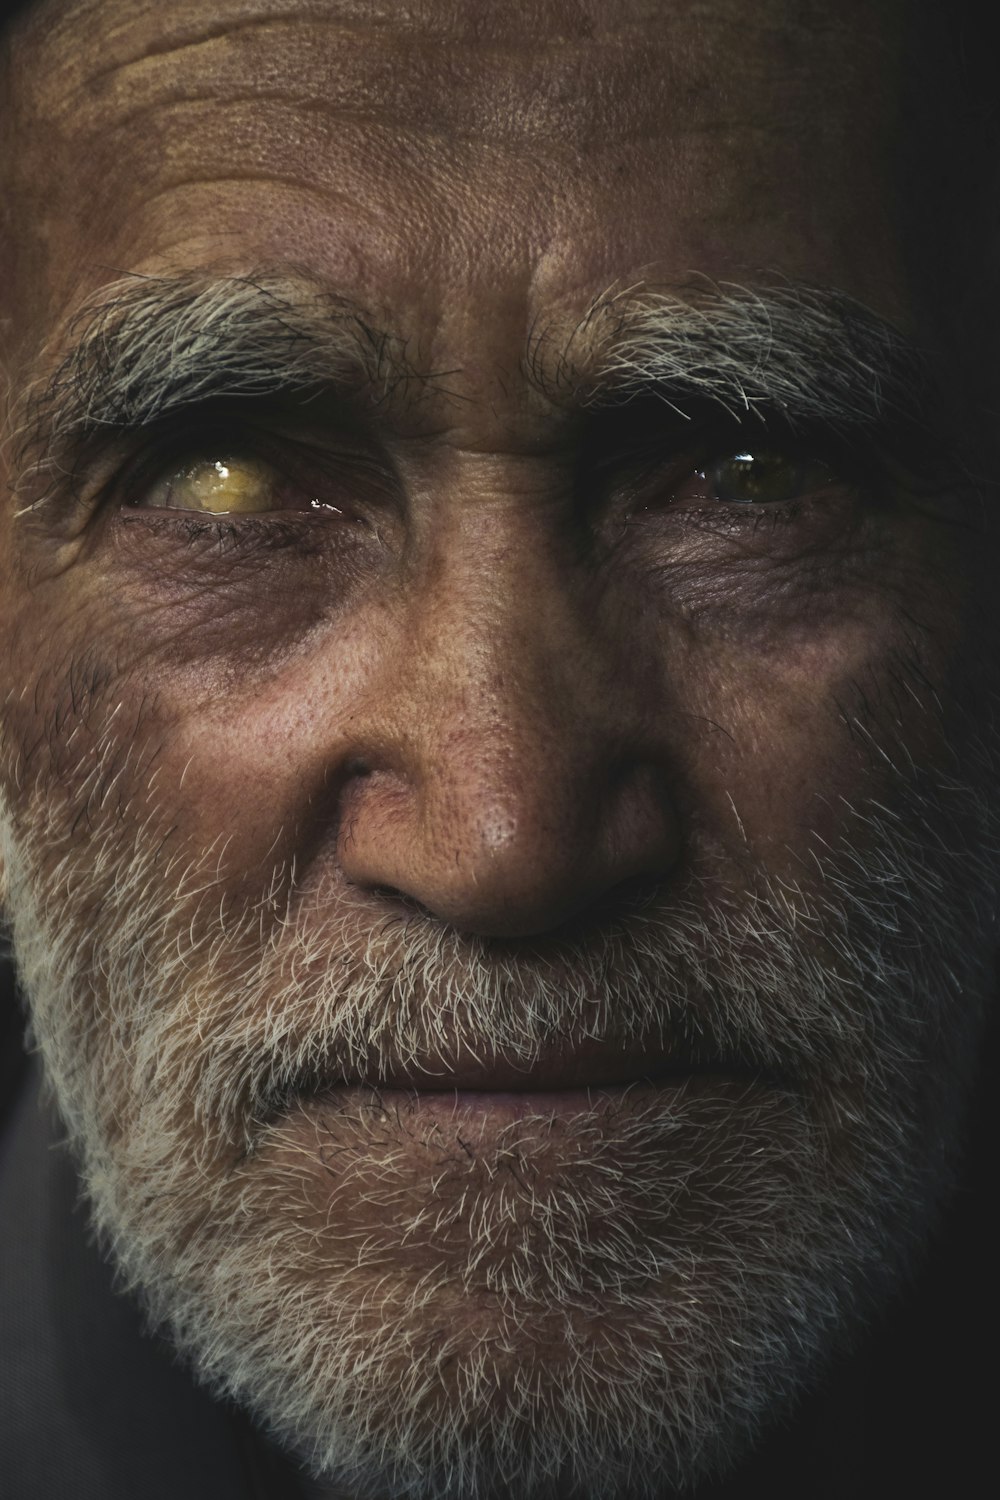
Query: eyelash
{"x": 657, "y": 477}
{"x": 293, "y": 462}
{"x": 298, "y": 530}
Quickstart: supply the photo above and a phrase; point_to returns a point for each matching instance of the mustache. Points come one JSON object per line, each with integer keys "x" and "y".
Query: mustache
{"x": 656, "y": 992}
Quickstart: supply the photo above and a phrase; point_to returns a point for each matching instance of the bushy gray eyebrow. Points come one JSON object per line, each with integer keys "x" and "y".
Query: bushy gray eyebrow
{"x": 147, "y": 347}
{"x": 812, "y": 355}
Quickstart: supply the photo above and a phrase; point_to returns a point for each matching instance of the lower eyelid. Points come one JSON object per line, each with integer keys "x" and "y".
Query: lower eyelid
{"x": 220, "y": 536}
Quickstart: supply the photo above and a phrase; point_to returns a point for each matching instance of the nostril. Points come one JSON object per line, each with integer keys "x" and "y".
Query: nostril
{"x": 489, "y": 847}
{"x": 392, "y": 895}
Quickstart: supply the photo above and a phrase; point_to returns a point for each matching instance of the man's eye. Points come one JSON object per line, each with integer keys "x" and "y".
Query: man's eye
{"x": 234, "y": 484}
{"x": 763, "y": 477}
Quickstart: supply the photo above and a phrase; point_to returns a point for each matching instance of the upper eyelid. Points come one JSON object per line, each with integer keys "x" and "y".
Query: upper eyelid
{"x": 707, "y": 440}
{"x": 153, "y": 451}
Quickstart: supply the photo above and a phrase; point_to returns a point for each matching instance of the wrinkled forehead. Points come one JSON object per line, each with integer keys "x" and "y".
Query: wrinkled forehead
{"x": 467, "y": 170}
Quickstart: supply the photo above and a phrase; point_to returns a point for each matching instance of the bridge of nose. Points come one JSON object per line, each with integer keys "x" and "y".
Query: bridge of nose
{"x": 510, "y": 782}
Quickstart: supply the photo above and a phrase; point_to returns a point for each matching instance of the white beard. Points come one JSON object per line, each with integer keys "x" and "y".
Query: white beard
{"x": 604, "y": 1310}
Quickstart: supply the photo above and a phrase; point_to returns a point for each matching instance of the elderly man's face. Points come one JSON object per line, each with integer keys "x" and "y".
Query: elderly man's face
{"x": 494, "y": 838}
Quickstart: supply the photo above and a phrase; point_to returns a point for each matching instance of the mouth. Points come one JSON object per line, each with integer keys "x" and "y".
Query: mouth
{"x": 491, "y": 1109}
{"x": 563, "y": 1081}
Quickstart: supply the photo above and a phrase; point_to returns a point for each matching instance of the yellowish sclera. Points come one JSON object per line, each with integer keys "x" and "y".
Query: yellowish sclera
{"x": 222, "y": 486}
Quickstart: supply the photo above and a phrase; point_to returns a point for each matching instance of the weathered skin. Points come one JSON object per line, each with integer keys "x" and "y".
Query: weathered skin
{"x": 468, "y": 205}
{"x": 460, "y": 707}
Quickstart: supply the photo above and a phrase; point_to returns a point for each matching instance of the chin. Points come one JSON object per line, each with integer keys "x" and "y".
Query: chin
{"x": 602, "y": 1305}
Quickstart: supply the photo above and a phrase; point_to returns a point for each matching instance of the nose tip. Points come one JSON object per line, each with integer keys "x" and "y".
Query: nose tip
{"x": 513, "y": 860}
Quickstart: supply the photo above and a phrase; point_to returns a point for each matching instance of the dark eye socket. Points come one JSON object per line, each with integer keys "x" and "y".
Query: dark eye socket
{"x": 249, "y": 464}
{"x": 653, "y": 457}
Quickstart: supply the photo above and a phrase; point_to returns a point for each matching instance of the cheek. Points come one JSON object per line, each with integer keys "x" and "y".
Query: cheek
{"x": 792, "y": 727}
{"x": 806, "y": 665}
{"x": 161, "y": 700}
{"x": 75, "y": 714}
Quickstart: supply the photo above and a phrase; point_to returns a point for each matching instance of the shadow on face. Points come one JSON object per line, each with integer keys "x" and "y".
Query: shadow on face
{"x": 493, "y": 773}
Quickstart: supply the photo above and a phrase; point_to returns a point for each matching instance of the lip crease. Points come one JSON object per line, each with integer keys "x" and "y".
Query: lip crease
{"x": 563, "y": 1079}
{"x": 497, "y": 1107}
{"x": 569, "y": 1076}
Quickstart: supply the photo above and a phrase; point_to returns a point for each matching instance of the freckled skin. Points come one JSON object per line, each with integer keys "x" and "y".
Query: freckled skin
{"x": 454, "y": 703}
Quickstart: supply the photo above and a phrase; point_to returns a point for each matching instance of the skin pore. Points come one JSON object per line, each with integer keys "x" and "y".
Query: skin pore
{"x": 492, "y": 754}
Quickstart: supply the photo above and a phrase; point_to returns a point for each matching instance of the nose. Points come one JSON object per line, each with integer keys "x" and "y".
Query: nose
{"x": 507, "y": 778}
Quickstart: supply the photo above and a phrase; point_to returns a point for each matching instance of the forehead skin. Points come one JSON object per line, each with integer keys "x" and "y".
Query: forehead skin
{"x": 468, "y": 168}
